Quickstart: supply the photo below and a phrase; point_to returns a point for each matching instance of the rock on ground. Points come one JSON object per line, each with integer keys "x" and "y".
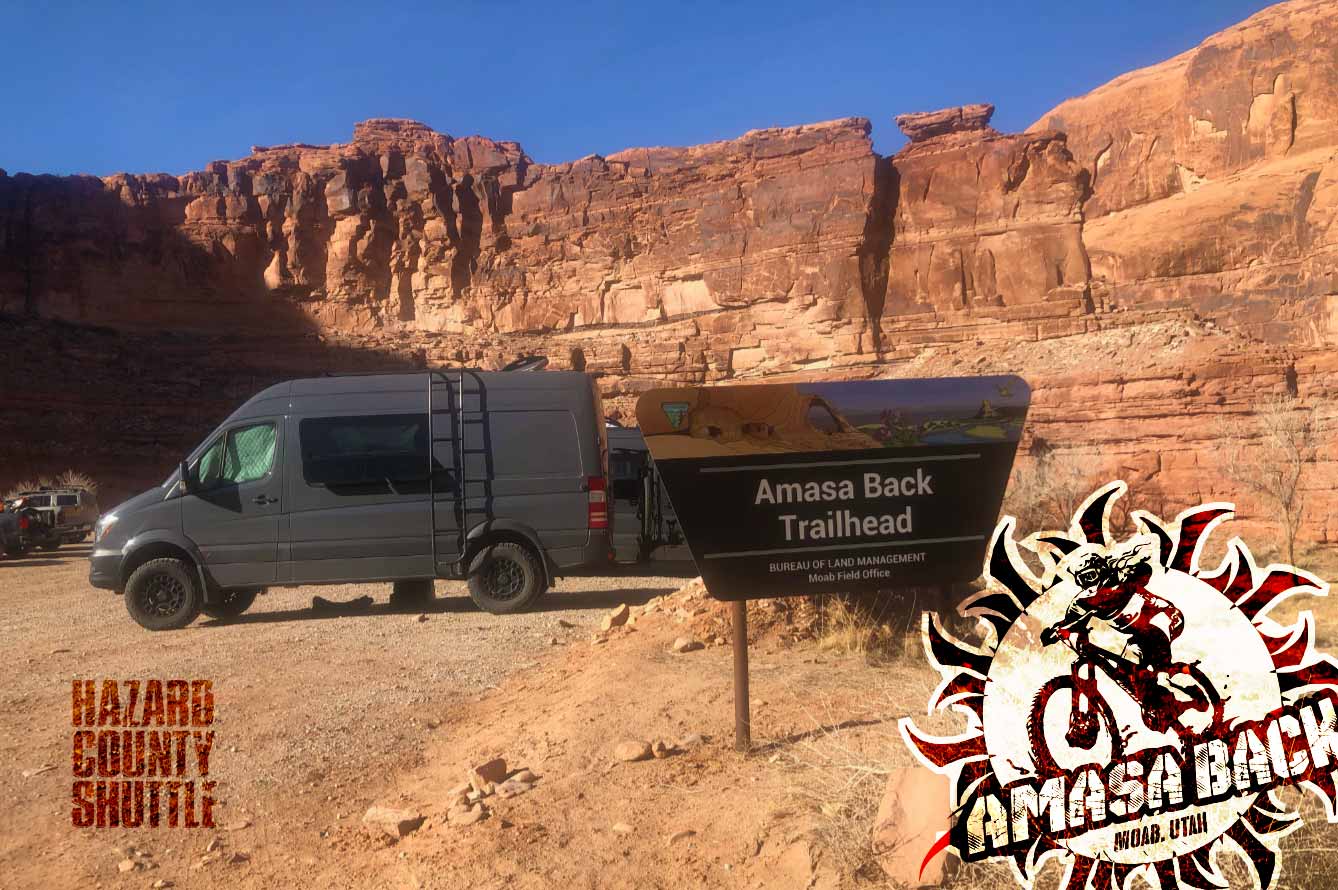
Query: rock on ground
{"x": 391, "y": 822}
{"x": 915, "y": 807}
{"x": 632, "y": 751}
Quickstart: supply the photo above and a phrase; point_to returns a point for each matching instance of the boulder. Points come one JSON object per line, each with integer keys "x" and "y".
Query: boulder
{"x": 489, "y": 772}
{"x": 391, "y": 822}
{"x": 466, "y": 815}
{"x": 631, "y": 751}
{"x": 922, "y": 125}
{"x": 914, "y": 810}
{"x": 616, "y": 618}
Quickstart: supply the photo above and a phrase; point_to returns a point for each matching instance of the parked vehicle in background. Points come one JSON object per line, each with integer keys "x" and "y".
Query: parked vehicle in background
{"x": 35, "y": 527}
{"x": 644, "y": 520}
{"x": 500, "y": 478}
{"x": 70, "y": 512}
{"x": 11, "y": 542}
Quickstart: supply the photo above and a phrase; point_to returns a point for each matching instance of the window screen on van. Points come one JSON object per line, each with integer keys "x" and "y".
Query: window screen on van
{"x": 387, "y": 450}
{"x": 67, "y": 500}
{"x": 533, "y": 443}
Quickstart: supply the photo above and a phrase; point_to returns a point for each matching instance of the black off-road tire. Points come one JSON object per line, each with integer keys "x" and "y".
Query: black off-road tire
{"x": 231, "y": 603}
{"x": 164, "y": 594}
{"x": 1041, "y": 756}
{"x": 415, "y": 594}
{"x": 505, "y": 578}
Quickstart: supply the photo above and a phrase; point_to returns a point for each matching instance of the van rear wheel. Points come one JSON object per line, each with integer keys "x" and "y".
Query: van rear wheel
{"x": 163, "y": 594}
{"x": 505, "y": 578}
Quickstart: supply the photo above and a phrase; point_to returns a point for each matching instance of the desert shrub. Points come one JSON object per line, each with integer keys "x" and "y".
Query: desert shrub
{"x": 77, "y": 479}
{"x": 1270, "y": 458}
{"x": 854, "y": 626}
{"x": 67, "y": 479}
{"x": 1044, "y": 492}
{"x": 31, "y": 484}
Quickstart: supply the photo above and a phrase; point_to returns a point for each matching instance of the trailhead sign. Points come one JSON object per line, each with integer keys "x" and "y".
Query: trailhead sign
{"x": 788, "y": 489}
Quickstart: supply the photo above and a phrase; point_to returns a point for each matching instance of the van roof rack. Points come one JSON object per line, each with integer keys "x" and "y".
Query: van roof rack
{"x": 394, "y": 373}
{"x": 525, "y": 363}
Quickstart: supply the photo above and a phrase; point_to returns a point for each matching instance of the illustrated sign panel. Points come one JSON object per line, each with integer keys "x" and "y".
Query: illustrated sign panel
{"x": 791, "y": 489}
{"x": 1133, "y": 709}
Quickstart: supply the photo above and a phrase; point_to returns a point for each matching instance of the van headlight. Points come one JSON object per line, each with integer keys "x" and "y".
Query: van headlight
{"x": 103, "y": 524}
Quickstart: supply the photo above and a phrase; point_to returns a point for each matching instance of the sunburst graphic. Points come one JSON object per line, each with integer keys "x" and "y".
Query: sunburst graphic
{"x": 1234, "y": 668}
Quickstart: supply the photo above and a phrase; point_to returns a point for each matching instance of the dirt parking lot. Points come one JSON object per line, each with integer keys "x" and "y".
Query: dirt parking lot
{"x": 329, "y": 704}
{"x": 320, "y": 716}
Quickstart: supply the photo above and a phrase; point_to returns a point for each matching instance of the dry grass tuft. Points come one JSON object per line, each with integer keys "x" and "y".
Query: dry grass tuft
{"x": 67, "y": 479}
{"x": 838, "y": 772}
{"x": 847, "y": 627}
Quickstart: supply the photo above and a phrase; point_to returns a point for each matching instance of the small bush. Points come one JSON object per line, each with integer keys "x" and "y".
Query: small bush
{"x": 1046, "y": 491}
{"x": 76, "y": 479}
{"x": 875, "y": 626}
{"x": 67, "y": 479}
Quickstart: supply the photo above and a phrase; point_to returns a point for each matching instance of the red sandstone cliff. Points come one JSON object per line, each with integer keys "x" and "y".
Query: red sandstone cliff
{"x": 1214, "y": 176}
{"x": 1155, "y": 256}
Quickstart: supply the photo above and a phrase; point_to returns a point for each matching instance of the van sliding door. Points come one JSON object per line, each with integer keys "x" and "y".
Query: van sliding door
{"x": 360, "y": 498}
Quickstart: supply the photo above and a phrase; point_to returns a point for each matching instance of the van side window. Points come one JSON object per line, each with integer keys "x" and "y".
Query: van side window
{"x": 67, "y": 500}
{"x": 244, "y": 454}
{"x": 368, "y": 454}
{"x": 210, "y": 464}
{"x": 250, "y": 453}
{"x": 512, "y": 433}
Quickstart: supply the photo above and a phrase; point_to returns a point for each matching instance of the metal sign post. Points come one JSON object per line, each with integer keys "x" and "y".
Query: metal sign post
{"x": 743, "y": 740}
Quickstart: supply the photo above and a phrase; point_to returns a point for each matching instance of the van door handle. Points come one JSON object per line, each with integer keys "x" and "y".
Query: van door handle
{"x": 263, "y": 499}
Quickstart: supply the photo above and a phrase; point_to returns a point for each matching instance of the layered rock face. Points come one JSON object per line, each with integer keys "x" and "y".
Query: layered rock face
{"x": 464, "y": 246}
{"x": 1157, "y": 257}
{"x": 983, "y": 219}
{"x": 1214, "y": 176}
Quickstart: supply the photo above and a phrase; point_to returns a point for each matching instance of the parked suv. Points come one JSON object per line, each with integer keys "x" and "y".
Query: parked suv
{"x": 497, "y": 477}
{"x": 11, "y": 534}
{"x": 69, "y": 513}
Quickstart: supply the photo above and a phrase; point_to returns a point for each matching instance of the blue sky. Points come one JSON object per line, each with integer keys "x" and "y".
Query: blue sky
{"x": 99, "y": 88}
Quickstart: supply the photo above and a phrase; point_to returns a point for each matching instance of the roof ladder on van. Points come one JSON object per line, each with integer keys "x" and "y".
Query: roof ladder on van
{"x": 471, "y": 416}
{"x": 461, "y": 415}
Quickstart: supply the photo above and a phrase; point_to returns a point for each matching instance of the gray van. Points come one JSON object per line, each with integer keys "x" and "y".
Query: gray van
{"x": 497, "y": 477}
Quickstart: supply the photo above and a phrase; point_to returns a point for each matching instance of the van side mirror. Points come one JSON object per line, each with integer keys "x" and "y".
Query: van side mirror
{"x": 187, "y": 485}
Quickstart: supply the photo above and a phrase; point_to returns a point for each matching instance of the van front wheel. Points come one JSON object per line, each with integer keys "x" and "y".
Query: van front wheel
{"x": 505, "y": 578}
{"x": 163, "y": 594}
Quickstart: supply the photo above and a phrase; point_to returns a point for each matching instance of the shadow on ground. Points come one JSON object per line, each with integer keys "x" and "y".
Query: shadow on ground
{"x": 549, "y": 602}
{"x": 35, "y": 558}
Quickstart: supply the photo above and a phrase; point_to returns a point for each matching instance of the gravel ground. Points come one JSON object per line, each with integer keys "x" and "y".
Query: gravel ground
{"x": 332, "y": 704}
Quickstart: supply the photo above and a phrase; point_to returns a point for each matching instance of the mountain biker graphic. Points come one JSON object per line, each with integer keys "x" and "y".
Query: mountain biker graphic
{"x": 1115, "y": 590}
